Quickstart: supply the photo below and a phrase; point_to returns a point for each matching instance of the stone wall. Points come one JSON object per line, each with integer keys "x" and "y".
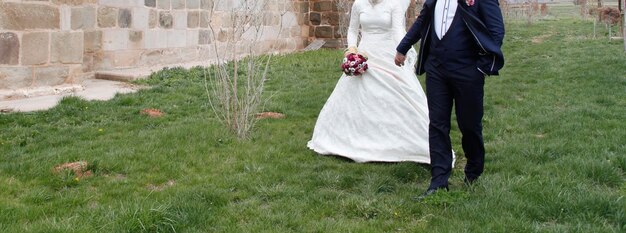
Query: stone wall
{"x": 328, "y": 19}
{"x": 324, "y": 22}
{"x": 53, "y": 42}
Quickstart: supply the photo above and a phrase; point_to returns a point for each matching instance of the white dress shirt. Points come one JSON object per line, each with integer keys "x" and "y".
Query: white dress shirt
{"x": 444, "y": 14}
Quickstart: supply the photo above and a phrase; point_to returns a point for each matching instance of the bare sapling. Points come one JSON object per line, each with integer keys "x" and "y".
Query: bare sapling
{"x": 235, "y": 84}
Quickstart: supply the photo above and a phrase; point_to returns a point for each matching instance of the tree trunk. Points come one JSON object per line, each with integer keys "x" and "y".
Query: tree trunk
{"x": 621, "y": 6}
{"x": 623, "y": 9}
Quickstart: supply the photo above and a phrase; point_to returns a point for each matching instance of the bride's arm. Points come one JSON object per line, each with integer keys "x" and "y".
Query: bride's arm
{"x": 398, "y": 19}
{"x": 414, "y": 33}
{"x": 353, "y": 28}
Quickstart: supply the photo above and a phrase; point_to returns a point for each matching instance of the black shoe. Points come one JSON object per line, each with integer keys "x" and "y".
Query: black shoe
{"x": 469, "y": 181}
{"x": 430, "y": 192}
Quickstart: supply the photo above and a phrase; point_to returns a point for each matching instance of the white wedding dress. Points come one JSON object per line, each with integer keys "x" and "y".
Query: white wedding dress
{"x": 381, "y": 115}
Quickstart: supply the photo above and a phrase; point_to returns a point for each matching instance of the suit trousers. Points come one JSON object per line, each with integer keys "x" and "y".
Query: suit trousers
{"x": 465, "y": 88}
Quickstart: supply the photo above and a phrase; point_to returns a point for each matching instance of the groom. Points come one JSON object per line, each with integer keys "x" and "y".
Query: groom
{"x": 460, "y": 45}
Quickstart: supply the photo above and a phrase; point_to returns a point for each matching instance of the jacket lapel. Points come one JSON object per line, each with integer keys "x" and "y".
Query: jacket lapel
{"x": 431, "y": 5}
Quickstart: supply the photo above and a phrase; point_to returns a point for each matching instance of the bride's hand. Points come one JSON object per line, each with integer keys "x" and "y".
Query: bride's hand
{"x": 349, "y": 50}
{"x": 399, "y": 60}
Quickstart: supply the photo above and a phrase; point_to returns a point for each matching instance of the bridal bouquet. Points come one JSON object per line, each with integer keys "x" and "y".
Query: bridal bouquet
{"x": 354, "y": 64}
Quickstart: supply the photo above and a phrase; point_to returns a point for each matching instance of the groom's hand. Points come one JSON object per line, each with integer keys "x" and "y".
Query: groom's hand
{"x": 399, "y": 59}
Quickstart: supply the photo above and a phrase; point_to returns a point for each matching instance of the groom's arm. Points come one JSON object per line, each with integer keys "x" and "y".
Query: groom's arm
{"x": 491, "y": 15}
{"x": 414, "y": 34}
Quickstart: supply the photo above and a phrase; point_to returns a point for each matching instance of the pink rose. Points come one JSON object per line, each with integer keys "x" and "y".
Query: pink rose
{"x": 469, "y": 2}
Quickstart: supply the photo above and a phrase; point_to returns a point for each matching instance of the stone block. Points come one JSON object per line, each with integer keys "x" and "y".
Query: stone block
{"x": 271, "y": 19}
{"x": 125, "y": 18}
{"x": 193, "y": 19}
{"x": 24, "y": 16}
{"x": 99, "y": 62}
{"x": 121, "y": 3}
{"x": 171, "y": 56}
{"x": 76, "y": 74}
{"x": 304, "y": 31}
{"x": 71, "y": 2}
{"x": 273, "y": 6}
{"x": 303, "y": 19}
{"x": 165, "y": 19}
{"x": 50, "y": 75}
{"x": 292, "y": 45}
{"x": 176, "y": 38}
{"x": 150, "y": 3}
{"x": 164, "y": 4}
{"x": 323, "y": 6}
{"x": 83, "y": 18}
{"x": 295, "y": 31}
{"x": 93, "y": 41}
{"x": 115, "y": 39}
{"x": 251, "y": 35}
{"x": 88, "y": 64}
{"x": 288, "y": 19}
{"x": 123, "y": 59}
{"x": 206, "y": 53}
{"x": 180, "y": 19}
{"x": 67, "y": 47}
{"x": 161, "y": 56}
{"x": 315, "y": 18}
{"x": 282, "y": 45}
{"x": 330, "y": 18}
{"x": 193, "y": 4}
{"x": 155, "y": 39}
{"x": 141, "y": 17}
{"x": 204, "y": 37}
{"x": 192, "y": 38}
{"x": 204, "y": 19}
{"x": 206, "y": 4}
{"x": 223, "y": 35}
{"x": 263, "y": 47}
{"x": 223, "y": 50}
{"x": 16, "y": 77}
{"x": 339, "y": 34}
{"x": 151, "y": 57}
{"x": 224, "y": 6}
{"x": 107, "y": 17}
{"x": 270, "y": 33}
{"x": 300, "y": 44}
{"x": 188, "y": 54}
{"x": 153, "y": 19}
{"x": 35, "y": 48}
{"x": 324, "y": 32}
{"x": 221, "y": 20}
{"x": 304, "y": 7}
{"x": 135, "y": 40}
{"x": 285, "y": 33}
{"x": 9, "y": 48}
{"x": 178, "y": 4}
{"x": 66, "y": 17}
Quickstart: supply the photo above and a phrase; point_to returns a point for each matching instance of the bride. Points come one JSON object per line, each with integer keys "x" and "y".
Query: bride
{"x": 381, "y": 115}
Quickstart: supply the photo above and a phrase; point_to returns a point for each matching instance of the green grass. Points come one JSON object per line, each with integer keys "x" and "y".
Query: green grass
{"x": 554, "y": 131}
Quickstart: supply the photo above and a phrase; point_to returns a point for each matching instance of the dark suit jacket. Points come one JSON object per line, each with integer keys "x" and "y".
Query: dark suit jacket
{"x": 484, "y": 21}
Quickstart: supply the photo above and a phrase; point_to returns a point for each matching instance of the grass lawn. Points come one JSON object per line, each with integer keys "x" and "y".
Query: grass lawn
{"x": 555, "y": 132}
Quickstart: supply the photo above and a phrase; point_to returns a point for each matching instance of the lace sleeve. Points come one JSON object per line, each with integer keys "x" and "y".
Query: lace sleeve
{"x": 398, "y": 20}
{"x": 353, "y": 28}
